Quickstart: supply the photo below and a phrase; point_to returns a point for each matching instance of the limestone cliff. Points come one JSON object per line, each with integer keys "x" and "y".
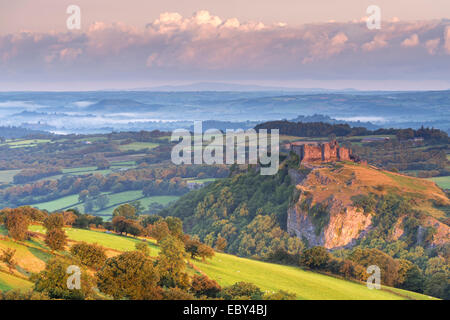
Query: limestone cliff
{"x": 325, "y": 213}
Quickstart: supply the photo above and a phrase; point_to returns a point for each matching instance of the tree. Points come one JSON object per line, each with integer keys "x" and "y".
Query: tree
{"x": 125, "y": 210}
{"x": 159, "y": 231}
{"x": 7, "y": 257}
{"x": 53, "y": 281}
{"x": 133, "y": 227}
{"x": 54, "y": 221}
{"x": 88, "y": 206}
{"x": 102, "y": 201}
{"x": 438, "y": 285}
{"x": 280, "y": 295}
{"x": 205, "y": 252}
{"x": 82, "y": 197}
{"x": 130, "y": 275}
{"x": 69, "y": 218}
{"x": 175, "y": 226}
{"x": 201, "y": 286}
{"x": 17, "y": 224}
{"x": 409, "y": 276}
{"x": 387, "y": 264}
{"x": 91, "y": 255}
{"x": 93, "y": 191}
{"x": 56, "y": 239}
{"x": 242, "y": 291}
{"x": 221, "y": 243}
{"x": 137, "y": 206}
{"x": 143, "y": 247}
{"x": 315, "y": 258}
{"x": 119, "y": 224}
{"x": 171, "y": 263}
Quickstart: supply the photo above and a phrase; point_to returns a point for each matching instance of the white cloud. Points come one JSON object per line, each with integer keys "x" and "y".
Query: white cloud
{"x": 411, "y": 41}
{"x": 378, "y": 42}
{"x": 173, "y": 46}
{"x": 432, "y": 45}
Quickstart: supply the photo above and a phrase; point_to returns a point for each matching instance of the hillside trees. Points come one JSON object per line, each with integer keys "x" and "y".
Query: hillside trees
{"x": 171, "y": 263}
{"x": 55, "y": 236}
{"x": 91, "y": 255}
{"x": 53, "y": 281}
{"x": 130, "y": 275}
{"x": 248, "y": 212}
{"x": 7, "y": 257}
{"x": 17, "y": 224}
{"x": 125, "y": 210}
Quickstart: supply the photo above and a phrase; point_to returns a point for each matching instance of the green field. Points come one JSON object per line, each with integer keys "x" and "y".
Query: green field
{"x": 109, "y": 240}
{"x": 8, "y": 282}
{"x": 22, "y": 143}
{"x": 443, "y": 182}
{"x": 136, "y": 146}
{"x": 6, "y": 176}
{"x": 115, "y": 199}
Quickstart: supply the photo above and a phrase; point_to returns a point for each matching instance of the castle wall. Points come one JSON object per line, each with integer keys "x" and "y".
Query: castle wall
{"x": 321, "y": 152}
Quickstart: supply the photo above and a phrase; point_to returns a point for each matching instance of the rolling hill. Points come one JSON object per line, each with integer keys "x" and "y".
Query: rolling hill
{"x": 224, "y": 268}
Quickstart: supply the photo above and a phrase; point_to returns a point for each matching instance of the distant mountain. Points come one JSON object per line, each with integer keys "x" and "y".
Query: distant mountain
{"x": 18, "y": 132}
{"x": 122, "y": 105}
{"x": 220, "y": 86}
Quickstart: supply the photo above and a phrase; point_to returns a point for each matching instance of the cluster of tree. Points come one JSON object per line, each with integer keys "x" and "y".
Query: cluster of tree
{"x": 153, "y": 181}
{"x": 404, "y": 155}
{"x": 55, "y": 236}
{"x": 27, "y": 175}
{"x": 135, "y": 275}
{"x": 322, "y": 129}
{"x": 397, "y": 272}
{"x": 245, "y": 214}
{"x": 17, "y": 220}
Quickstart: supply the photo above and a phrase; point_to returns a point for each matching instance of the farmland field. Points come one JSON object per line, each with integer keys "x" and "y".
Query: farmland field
{"x": 115, "y": 199}
{"x": 135, "y": 146}
{"x": 443, "y": 182}
{"x": 6, "y": 176}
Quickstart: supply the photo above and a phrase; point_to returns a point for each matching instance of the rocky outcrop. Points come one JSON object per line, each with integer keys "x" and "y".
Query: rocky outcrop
{"x": 345, "y": 225}
{"x": 329, "y": 210}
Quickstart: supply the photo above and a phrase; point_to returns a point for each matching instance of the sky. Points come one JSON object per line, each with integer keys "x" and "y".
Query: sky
{"x": 305, "y": 44}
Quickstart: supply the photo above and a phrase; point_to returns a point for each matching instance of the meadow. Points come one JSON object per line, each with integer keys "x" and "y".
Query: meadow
{"x": 115, "y": 199}
{"x": 443, "y": 182}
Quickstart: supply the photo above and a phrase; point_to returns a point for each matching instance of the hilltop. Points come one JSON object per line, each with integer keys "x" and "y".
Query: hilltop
{"x": 337, "y": 206}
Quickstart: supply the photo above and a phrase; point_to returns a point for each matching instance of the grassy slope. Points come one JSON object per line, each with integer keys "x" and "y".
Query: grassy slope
{"x": 228, "y": 269}
{"x": 8, "y": 282}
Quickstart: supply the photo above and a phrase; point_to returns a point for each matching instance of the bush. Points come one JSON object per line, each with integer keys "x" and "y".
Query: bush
{"x": 242, "y": 291}
{"x": 315, "y": 258}
{"x": 203, "y": 286}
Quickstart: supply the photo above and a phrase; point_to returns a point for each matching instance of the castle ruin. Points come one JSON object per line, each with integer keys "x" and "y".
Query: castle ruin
{"x": 321, "y": 152}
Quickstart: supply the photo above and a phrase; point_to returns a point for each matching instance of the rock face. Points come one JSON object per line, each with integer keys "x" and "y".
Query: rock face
{"x": 322, "y": 152}
{"x": 346, "y": 224}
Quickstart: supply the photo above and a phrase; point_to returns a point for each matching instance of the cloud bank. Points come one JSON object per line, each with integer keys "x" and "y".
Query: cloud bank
{"x": 205, "y": 46}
